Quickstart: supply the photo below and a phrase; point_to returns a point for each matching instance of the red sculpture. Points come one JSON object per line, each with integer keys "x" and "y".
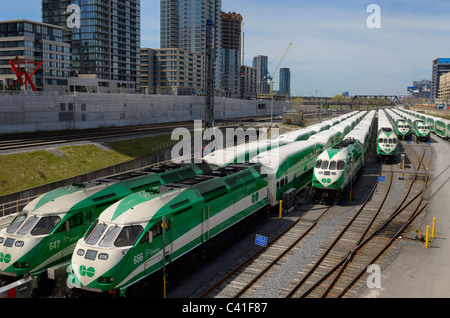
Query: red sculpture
{"x": 22, "y": 75}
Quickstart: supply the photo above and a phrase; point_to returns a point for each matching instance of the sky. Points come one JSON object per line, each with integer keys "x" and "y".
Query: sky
{"x": 333, "y": 49}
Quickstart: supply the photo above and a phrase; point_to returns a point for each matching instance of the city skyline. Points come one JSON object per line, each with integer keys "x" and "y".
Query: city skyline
{"x": 333, "y": 48}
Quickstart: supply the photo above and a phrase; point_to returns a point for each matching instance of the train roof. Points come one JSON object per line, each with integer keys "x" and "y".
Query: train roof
{"x": 341, "y": 150}
{"x": 138, "y": 208}
{"x": 226, "y": 156}
{"x": 324, "y": 136}
{"x": 272, "y": 159}
{"x": 292, "y": 136}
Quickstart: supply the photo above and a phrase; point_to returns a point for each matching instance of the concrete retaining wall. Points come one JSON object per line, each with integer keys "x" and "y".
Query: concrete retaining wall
{"x": 45, "y": 112}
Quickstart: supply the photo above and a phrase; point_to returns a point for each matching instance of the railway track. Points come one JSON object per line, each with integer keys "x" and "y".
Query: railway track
{"x": 353, "y": 251}
{"x": 359, "y": 243}
{"x": 13, "y": 142}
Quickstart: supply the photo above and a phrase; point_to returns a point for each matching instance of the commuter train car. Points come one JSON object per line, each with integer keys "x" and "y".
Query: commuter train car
{"x": 327, "y": 138}
{"x": 127, "y": 241}
{"x": 338, "y": 165}
{"x": 238, "y": 154}
{"x": 363, "y": 131}
{"x": 442, "y": 128}
{"x": 293, "y": 136}
{"x": 402, "y": 127}
{"x": 420, "y": 128}
{"x": 45, "y": 232}
{"x": 335, "y": 168}
{"x": 288, "y": 167}
{"x": 387, "y": 140}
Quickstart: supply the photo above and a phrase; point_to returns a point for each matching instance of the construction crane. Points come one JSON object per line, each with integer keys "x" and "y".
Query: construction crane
{"x": 270, "y": 77}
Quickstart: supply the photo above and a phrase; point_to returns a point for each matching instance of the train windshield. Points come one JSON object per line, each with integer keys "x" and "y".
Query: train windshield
{"x": 94, "y": 236}
{"x": 341, "y": 165}
{"x": 16, "y": 223}
{"x": 121, "y": 236}
{"x": 34, "y": 225}
{"x": 324, "y": 165}
{"x": 109, "y": 236}
{"x": 332, "y": 165}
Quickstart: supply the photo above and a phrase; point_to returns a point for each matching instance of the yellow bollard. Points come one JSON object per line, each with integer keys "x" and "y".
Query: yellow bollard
{"x": 433, "y": 231}
{"x": 281, "y": 209}
{"x": 427, "y": 237}
{"x": 164, "y": 287}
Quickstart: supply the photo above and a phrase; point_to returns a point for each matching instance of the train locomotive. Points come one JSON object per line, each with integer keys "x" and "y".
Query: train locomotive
{"x": 338, "y": 166}
{"x": 420, "y": 127}
{"x": 334, "y": 170}
{"x": 402, "y": 127}
{"x": 45, "y": 232}
{"x": 128, "y": 241}
{"x": 387, "y": 140}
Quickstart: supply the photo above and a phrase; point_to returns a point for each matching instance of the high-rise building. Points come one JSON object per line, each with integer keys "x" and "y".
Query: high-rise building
{"x": 231, "y": 52}
{"x": 440, "y": 67}
{"x": 171, "y": 71}
{"x": 108, "y": 43}
{"x": 261, "y": 64}
{"x": 184, "y": 26}
{"x": 248, "y": 82}
{"x": 285, "y": 82}
{"x": 37, "y": 42}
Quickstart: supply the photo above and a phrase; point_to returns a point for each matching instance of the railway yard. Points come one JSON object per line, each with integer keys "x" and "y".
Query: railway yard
{"x": 325, "y": 251}
{"x": 369, "y": 244}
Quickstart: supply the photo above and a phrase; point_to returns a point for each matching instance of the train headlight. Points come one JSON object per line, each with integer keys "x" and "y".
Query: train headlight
{"x": 80, "y": 252}
{"x": 19, "y": 243}
{"x": 20, "y": 265}
{"x": 105, "y": 280}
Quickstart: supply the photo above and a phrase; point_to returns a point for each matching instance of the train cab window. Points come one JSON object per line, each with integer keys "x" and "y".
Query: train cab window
{"x": 324, "y": 165}
{"x": 95, "y": 235}
{"x": 16, "y": 223}
{"x": 332, "y": 165}
{"x": 380, "y": 140}
{"x": 390, "y": 140}
{"x": 128, "y": 236}
{"x": 45, "y": 225}
{"x": 318, "y": 164}
{"x": 394, "y": 140}
{"x": 109, "y": 236}
{"x": 30, "y": 222}
{"x": 341, "y": 165}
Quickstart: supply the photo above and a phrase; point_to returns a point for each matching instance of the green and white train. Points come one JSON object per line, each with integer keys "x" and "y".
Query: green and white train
{"x": 402, "y": 127}
{"x": 440, "y": 126}
{"x": 420, "y": 127}
{"x": 46, "y": 231}
{"x": 387, "y": 140}
{"x": 338, "y": 166}
{"x": 238, "y": 154}
{"x": 288, "y": 167}
{"x": 126, "y": 245}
